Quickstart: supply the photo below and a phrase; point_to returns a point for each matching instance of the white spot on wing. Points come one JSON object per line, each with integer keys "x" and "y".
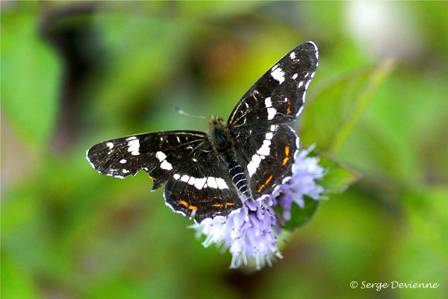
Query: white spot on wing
{"x": 264, "y": 150}
{"x": 268, "y": 102}
{"x": 191, "y": 181}
{"x": 176, "y": 176}
{"x": 278, "y": 75}
{"x": 292, "y": 55}
{"x": 211, "y": 182}
{"x": 221, "y": 183}
{"x": 160, "y": 156}
{"x": 294, "y": 76}
{"x": 251, "y": 168}
{"x": 110, "y": 145}
{"x": 199, "y": 183}
{"x": 122, "y": 161}
{"x": 166, "y": 165}
{"x": 133, "y": 146}
{"x": 271, "y": 113}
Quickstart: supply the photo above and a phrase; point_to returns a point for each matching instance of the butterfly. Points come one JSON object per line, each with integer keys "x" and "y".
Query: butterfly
{"x": 207, "y": 174}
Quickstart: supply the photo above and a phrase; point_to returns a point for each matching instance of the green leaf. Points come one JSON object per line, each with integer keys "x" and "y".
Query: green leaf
{"x": 300, "y": 216}
{"x": 338, "y": 177}
{"x": 30, "y": 78}
{"x": 16, "y": 283}
{"x": 422, "y": 253}
{"x": 338, "y": 106}
{"x": 426, "y": 209}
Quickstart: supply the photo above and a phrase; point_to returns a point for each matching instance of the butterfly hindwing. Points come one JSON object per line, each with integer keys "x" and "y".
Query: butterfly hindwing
{"x": 201, "y": 187}
{"x": 268, "y": 156}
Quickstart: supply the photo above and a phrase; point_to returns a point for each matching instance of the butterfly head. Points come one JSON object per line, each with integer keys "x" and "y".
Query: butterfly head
{"x": 216, "y": 121}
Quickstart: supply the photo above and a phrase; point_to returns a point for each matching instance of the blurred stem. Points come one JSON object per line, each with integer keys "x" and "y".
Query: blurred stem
{"x": 365, "y": 95}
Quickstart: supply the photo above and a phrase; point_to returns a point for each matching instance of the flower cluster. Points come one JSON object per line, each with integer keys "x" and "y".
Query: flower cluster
{"x": 251, "y": 232}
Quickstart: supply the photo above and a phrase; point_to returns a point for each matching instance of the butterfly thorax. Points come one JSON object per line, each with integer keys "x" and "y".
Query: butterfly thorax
{"x": 219, "y": 135}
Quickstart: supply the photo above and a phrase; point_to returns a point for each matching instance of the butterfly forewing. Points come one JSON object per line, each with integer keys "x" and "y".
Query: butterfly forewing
{"x": 156, "y": 153}
{"x": 278, "y": 96}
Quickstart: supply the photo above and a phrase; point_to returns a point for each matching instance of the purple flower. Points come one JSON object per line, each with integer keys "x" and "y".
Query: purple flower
{"x": 251, "y": 232}
{"x": 306, "y": 171}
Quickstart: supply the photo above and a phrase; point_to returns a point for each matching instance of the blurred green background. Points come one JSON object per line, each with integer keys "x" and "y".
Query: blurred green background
{"x": 77, "y": 73}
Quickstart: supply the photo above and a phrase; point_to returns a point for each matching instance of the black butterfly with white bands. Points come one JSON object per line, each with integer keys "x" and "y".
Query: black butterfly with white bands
{"x": 207, "y": 174}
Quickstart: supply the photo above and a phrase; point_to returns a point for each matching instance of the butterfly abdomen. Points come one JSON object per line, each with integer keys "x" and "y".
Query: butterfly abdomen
{"x": 239, "y": 178}
{"x": 236, "y": 173}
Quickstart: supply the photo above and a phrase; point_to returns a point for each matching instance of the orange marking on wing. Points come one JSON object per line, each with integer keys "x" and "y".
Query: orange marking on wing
{"x": 285, "y": 160}
{"x": 265, "y": 184}
{"x": 183, "y": 203}
{"x": 288, "y": 109}
{"x": 225, "y": 205}
{"x": 193, "y": 208}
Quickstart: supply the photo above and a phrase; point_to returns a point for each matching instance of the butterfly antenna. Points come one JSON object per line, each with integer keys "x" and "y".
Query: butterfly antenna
{"x": 182, "y": 112}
